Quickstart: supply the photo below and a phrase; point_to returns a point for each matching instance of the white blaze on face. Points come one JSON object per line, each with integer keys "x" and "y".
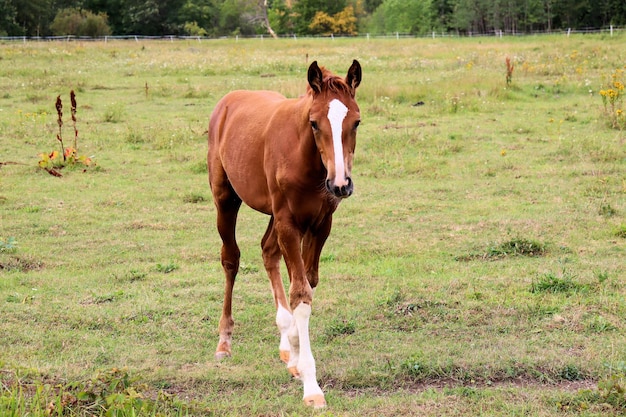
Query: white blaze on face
{"x": 337, "y": 111}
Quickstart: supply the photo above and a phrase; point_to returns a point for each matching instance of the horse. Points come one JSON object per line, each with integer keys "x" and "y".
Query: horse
{"x": 290, "y": 158}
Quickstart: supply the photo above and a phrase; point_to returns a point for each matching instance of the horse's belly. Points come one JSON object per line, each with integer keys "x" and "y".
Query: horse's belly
{"x": 241, "y": 144}
{"x": 244, "y": 168}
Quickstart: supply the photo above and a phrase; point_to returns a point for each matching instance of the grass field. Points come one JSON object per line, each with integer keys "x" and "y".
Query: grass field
{"x": 479, "y": 269}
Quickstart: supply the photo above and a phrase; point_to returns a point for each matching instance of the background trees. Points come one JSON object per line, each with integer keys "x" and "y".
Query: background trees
{"x": 302, "y": 17}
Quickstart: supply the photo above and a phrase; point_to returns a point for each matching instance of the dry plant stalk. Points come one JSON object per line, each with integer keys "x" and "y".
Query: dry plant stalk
{"x": 59, "y": 106}
{"x": 509, "y": 71}
{"x": 73, "y": 100}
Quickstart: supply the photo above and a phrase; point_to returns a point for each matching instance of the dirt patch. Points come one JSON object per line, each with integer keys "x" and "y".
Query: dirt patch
{"x": 19, "y": 263}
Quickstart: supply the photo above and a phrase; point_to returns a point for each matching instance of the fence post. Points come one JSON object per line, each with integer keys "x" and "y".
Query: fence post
{"x": 569, "y": 30}
{"x": 611, "y": 30}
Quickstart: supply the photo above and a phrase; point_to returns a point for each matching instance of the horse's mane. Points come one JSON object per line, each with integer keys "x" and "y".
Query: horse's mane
{"x": 332, "y": 83}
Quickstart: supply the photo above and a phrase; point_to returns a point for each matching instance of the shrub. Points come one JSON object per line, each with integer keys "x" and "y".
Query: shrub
{"x": 80, "y": 23}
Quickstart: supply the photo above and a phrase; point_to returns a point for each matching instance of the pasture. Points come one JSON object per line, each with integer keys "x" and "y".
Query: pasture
{"x": 478, "y": 269}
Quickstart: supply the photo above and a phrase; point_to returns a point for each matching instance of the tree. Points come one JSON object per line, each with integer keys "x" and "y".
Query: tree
{"x": 342, "y": 23}
{"x": 305, "y": 11}
{"x": 80, "y": 23}
{"x": 8, "y": 13}
{"x": 152, "y": 17}
{"x": 34, "y": 16}
{"x": 405, "y": 16}
{"x": 199, "y": 17}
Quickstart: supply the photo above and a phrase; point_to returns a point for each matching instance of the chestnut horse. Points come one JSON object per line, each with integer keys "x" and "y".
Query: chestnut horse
{"x": 290, "y": 159}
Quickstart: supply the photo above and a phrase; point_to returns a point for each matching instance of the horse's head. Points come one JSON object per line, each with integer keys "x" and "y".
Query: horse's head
{"x": 334, "y": 119}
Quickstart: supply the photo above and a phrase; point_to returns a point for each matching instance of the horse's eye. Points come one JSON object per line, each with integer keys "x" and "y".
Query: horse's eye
{"x": 314, "y": 125}
{"x": 356, "y": 124}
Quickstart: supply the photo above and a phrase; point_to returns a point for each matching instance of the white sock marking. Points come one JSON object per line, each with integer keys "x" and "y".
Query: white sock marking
{"x": 306, "y": 363}
{"x": 283, "y": 321}
{"x": 337, "y": 111}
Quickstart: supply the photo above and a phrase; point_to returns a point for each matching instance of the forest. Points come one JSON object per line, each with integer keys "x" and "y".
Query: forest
{"x": 213, "y": 18}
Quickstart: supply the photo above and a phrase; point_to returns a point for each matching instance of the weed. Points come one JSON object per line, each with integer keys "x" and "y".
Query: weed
{"x": 199, "y": 168}
{"x": 52, "y": 162}
{"x": 509, "y": 71}
{"x": 610, "y": 394}
{"x": 599, "y": 324}
{"x": 8, "y": 246}
{"x": 114, "y": 113}
{"x": 339, "y": 328}
{"x": 570, "y": 373}
{"x": 620, "y": 231}
{"x": 612, "y": 99}
{"x": 132, "y": 276}
{"x": 514, "y": 247}
{"x": 612, "y": 390}
{"x": 248, "y": 269}
{"x": 607, "y": 211}
{"x": 19, "y": 263}
{"x": 112, "y": 392}
{"x": 167, "y": 268}
{"x": 550, "y": 283}
{"x": 194, "y": 198}
{"x": 602, "y": 276}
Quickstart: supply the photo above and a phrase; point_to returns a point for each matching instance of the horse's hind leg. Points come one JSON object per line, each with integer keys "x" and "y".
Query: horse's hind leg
{"x": 227, "y": 203}
{"x": 271, "y": 260}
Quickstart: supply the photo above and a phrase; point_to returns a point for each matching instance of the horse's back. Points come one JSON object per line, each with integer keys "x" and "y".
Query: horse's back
{"x": 236, "y": 144}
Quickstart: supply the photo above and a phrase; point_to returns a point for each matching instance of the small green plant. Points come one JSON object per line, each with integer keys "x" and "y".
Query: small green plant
{"x": 194, "y": 198}
{"x": 112, "y": 392}
{"x": 551, "y": 283}
{"x": 620, "y": 231}
{"x": 52, "y": 162}
{"x": 338, "y": 328}
{"x": 9, "y": 245}
{"x": 570, "y": 373}
{"x": 606, "y": 210}
{"x": 167, "y": 268}
{"x": 612, "y": 390}
{"x": 114, "y": 113}
{"x": 513, "y": 247}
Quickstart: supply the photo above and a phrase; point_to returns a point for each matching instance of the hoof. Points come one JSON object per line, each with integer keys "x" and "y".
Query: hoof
{"x": 315, "y": 401}
{"x": 221, "y": 355}
{"x": 294, "y": 372}
{"x": 284, "y": 356}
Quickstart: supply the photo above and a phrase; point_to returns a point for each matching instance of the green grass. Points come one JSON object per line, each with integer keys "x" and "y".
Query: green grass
{"x": 479, "y": 269}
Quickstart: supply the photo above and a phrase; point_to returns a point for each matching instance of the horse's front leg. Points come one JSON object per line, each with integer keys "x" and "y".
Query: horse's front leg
{"x": 284, "y": 318}
{"x": 300, "y": 298}
{"x": 312, "y": 245}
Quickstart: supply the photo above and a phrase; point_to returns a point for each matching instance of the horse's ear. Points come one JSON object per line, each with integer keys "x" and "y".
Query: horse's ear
{"x": 315, "y": 77}
{"x": 353, "y": 79}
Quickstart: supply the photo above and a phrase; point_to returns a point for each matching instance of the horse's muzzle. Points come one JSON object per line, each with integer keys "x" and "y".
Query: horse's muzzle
{"x": 343, "y": 191}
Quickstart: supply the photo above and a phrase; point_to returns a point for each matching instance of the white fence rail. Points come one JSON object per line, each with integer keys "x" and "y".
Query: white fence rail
{"x": 611, "y": 31}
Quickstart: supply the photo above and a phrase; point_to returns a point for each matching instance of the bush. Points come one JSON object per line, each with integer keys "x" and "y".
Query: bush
{"x": 80, "y": 23}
